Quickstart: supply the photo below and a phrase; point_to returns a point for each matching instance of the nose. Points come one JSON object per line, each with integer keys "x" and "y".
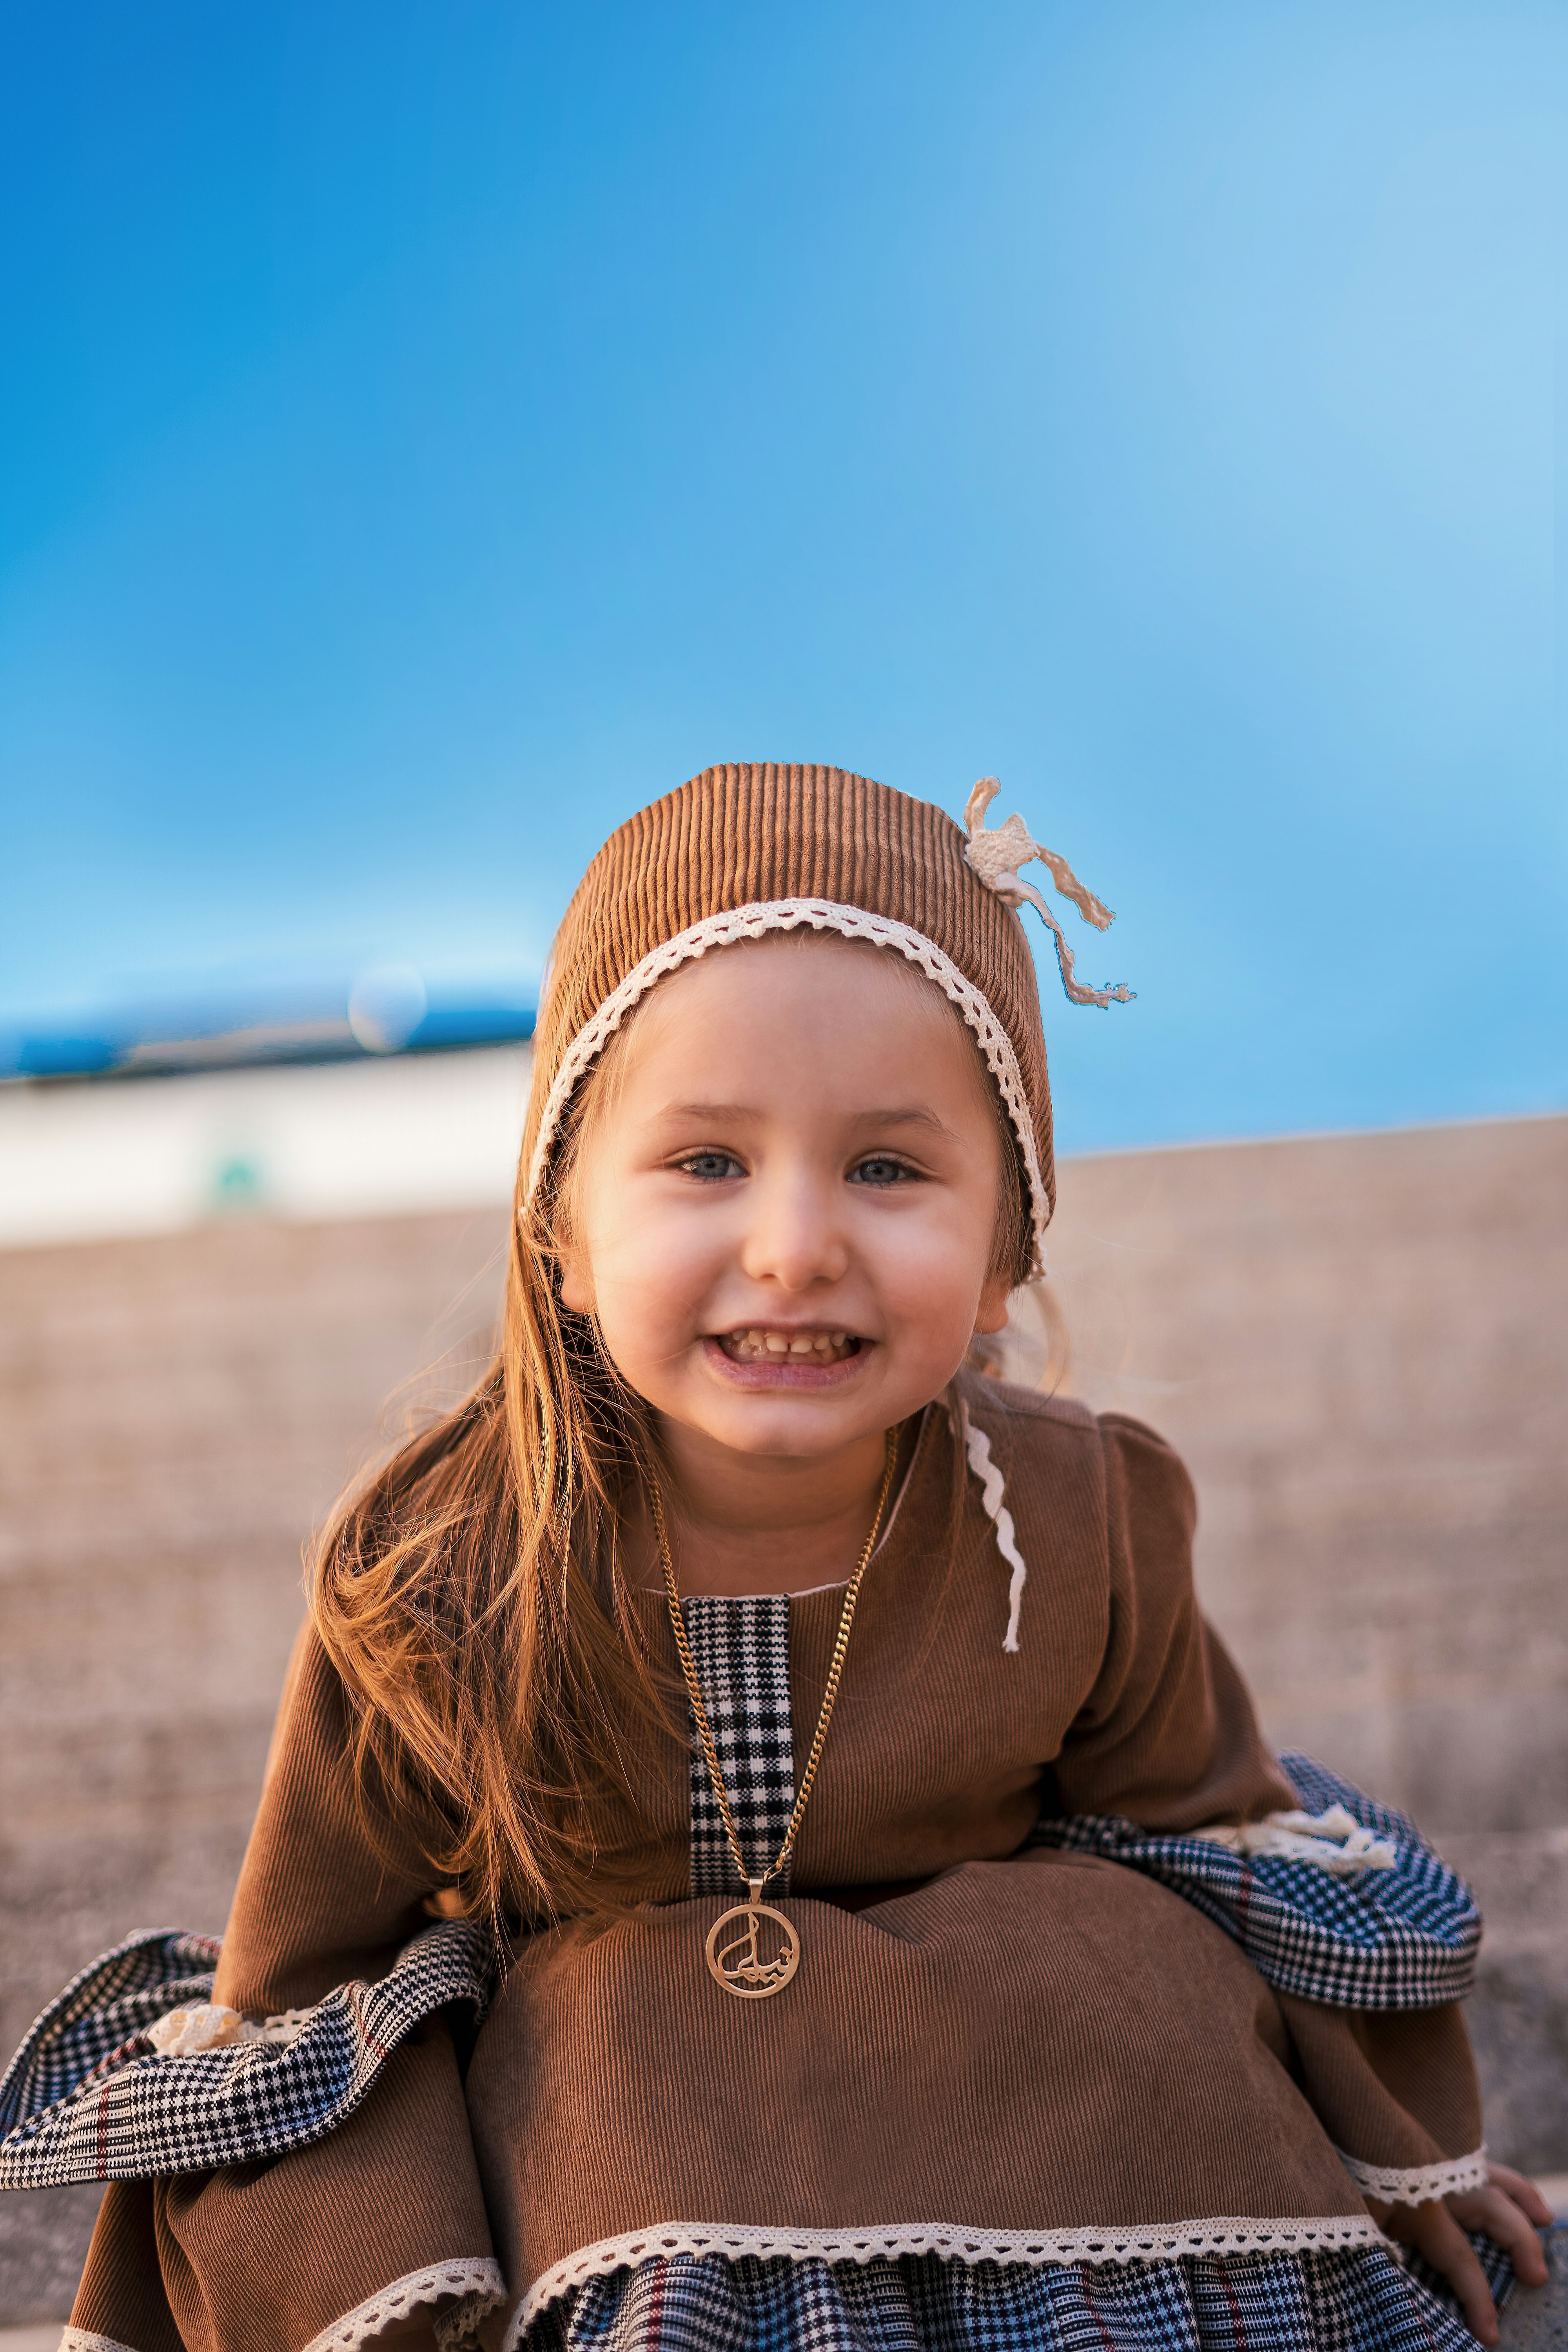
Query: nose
{"x": 793, "y": 1239}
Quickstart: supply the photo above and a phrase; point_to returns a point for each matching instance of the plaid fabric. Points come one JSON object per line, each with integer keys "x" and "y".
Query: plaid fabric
{"x": 101, "y": 2018}
{"x": 740, "y": 1651}
{"x": 1357, "y": 2301}
{"x": 84, "y": 2101}
{"x": 1401, "y": 1939}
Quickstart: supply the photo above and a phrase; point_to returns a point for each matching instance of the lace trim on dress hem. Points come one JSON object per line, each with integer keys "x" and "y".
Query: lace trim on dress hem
{"x": 754, "y": 922}
{"x": 1118, "y": 2243}
{"x": 477, "y": 2279}
{"x": 77, "y": 2339}
{"x": 1417, "y": 2184}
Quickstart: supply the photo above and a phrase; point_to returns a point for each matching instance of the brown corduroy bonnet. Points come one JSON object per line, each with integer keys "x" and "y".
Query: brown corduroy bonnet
{"x": 744, "y": 850}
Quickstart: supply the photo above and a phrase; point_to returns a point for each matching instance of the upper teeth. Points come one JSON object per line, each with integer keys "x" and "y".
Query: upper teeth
{"x": 760, "y": 1342}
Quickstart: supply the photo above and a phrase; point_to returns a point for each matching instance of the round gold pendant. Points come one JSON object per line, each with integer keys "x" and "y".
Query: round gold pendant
{"x": 752, "y": 1951}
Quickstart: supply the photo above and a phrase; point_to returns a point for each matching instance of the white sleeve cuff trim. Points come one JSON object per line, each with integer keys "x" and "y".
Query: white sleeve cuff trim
{"x": 1417, "y": 2184}
{"x": 477, "y": 2280}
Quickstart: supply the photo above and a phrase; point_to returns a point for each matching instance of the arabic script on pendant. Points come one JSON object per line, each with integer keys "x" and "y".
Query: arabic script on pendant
{"x": 752, "y": 1951}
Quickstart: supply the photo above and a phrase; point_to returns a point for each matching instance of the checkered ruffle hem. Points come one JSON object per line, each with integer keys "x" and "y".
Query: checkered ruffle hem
{"x": 1358, "y": 2301}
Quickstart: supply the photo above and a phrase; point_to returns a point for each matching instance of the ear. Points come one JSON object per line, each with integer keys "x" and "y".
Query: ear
{"x": 990, "y": 1315}
{"x": 576, "y": 1282}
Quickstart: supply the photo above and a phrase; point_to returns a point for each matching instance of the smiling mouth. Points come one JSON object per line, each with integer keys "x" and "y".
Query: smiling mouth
{"x": 760, "y": 1345}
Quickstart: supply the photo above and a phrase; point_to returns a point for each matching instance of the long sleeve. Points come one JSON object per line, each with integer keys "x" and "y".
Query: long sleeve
{"x": 324, "y": 1895}
{"x": 374, "y": 2221}
{"x": 1396, "y": 2093}
{"x": 1168, "y": 1736}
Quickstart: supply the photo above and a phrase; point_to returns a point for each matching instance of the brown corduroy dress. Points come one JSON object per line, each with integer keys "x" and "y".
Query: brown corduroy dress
{"x": 1036, "y": 2053}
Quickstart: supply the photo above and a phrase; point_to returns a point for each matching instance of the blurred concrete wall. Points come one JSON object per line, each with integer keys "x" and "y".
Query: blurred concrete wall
{"x": 1360, "y": 1343}
{"x": 175, "y": 1414}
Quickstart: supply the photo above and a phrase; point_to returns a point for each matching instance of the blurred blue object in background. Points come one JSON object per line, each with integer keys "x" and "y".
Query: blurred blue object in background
{"x": 383, "y": 1012}
{"x": 57, "y": 1054}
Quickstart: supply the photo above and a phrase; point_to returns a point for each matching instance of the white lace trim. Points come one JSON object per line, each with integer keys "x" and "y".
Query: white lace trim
{"x": 753, "y": 922}
{"x": 1333, "y": 1841}
{"x": 1161, "y": 2242}
{"x": 77, "y": 2339}
{"x": 1417, "y": 2184}
{"x": 208, "y": 2025}
{"x": 458, "y": 2330}
{"x": 477, "y": 2280}
{"x": 977, "y": 1445}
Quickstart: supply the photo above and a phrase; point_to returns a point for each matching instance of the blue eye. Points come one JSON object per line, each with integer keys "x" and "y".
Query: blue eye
{"x": 712, "y": 1167}
{"x": 879, "y": 1172}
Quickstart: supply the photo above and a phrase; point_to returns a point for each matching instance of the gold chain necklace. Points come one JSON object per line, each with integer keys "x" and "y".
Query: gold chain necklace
{"x": 762, "y": 1955}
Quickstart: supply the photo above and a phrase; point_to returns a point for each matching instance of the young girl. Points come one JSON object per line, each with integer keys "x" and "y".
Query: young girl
{"x": 759, "y": 1847}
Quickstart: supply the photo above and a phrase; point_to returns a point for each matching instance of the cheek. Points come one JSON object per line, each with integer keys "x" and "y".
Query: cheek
{"x": 930, "y": 1267}
{"x": 650, "y": 1264}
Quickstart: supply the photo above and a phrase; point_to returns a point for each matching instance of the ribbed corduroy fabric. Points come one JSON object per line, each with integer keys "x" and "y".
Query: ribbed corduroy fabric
{"x": 740, "y": 835}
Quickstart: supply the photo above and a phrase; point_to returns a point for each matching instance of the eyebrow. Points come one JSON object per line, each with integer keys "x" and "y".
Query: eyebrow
{"x": 913, "y": 1114}
{"x": 719, "y": 1110}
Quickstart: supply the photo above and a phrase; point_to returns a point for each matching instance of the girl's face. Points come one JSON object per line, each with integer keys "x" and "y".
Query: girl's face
{"x": 786, "y": 1204}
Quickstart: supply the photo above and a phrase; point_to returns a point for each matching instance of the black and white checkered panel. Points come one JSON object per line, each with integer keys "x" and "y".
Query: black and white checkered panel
{"x": 740, "y": 1651}
{"x": 105, "y": 2008}
{"x": 164, "y": 2114}
{"x": 1400, "y": 1938}
{"x": 1356, "y": 2301}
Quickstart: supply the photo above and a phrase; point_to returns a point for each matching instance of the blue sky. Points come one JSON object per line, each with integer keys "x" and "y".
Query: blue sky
{"x": 428, "y": 434}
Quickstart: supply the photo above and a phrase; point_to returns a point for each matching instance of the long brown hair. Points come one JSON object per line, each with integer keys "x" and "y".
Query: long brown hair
{"x": 472, "y": 1594}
